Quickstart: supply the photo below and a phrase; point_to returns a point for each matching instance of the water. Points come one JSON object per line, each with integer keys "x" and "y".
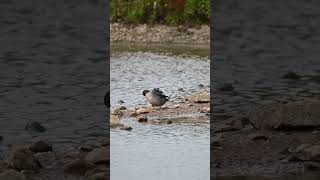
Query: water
{"x": 158, "y": 151}
{"x": 53, "y": 70}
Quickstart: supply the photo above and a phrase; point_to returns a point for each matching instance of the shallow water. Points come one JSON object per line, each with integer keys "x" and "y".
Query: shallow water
{"x": 158, "y": 151}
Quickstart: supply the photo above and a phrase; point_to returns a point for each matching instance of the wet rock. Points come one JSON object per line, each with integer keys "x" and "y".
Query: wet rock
{"x": 11, "y": 174}
{"x": 85, "y": 148}
{"x": 202, "y": 97}
{"x": 122, "y": 108}
{"x": 291, "y": 75}
{"x": 142, "y": 118}
{"x": 225, "y": 87}
{"x": 298, "y": 115}
{"x": 35, "y": 126}
{"x": 22, "y": 158}
{"x": 120, "y": 101}
{"x": 79, "y": 166}
{"x": 180, "y": 89}
{"x": 40, "y": 146}
{"x": 126, "y": 128}
{"x": 175, "y": 106}
{"x": 216, "y": 140}
{"x": 201, "y": 86}
{"x": 311, "y": 153}
{"x": 98, "y": 156}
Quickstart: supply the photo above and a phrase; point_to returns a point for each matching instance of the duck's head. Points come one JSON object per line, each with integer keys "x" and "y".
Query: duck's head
{"x": 144, "y": 92}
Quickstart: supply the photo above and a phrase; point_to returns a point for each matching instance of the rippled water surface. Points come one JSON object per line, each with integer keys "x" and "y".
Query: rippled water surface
{"x": 53, "y": 70}
{"x": 150, "y": 151}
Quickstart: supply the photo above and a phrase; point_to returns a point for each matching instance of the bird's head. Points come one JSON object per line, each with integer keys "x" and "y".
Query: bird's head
{"x": 144, "y": 92}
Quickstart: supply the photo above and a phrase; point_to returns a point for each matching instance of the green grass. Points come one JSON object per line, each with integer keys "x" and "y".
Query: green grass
{"x": 194, "y": 12}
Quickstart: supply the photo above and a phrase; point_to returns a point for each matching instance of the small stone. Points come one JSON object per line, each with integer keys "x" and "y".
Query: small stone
{"x": 35, "y": 126}
{"x": 126, "y": 128}
{"x": 175, "y": 106}
{"x": 120, "y": 101}
{"x": 201, "y": 86}
{"x": 122, "y": 108}
{"x": 40, "y": 146}
{"x": 142, "y": 111}
{"x": 79, "y": 166}
{"x": 142, "y": 118}
{"x": 205, "y": 110}
{"x": 180, "y": 89}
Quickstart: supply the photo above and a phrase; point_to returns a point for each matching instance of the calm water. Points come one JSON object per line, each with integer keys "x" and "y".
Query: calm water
{"x": 157, "y": 152}
{"x": 53, "y": 70}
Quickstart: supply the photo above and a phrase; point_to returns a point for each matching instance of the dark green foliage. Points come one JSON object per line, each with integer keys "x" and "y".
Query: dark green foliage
{"x": 194, "y": 12}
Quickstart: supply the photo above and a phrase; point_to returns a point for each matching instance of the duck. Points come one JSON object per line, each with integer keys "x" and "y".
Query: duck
{"x": 155, "y": 97}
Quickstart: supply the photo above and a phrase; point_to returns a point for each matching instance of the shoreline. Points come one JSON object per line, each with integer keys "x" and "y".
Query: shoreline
{"x": 160, "y": 34}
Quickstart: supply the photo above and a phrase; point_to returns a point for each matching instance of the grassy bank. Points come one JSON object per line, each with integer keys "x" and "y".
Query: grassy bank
{"x": 168, "y": 12}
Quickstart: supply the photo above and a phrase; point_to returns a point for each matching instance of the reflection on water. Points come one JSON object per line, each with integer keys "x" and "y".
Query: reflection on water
{"x": 158, "y": 151}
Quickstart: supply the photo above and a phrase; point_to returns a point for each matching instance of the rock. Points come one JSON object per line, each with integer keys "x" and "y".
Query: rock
{"x": 133, "y": 114}
{"x": 126, "y": 128}
{"x": 180, "y": 89}
{"x": 169, "y": 122}
{"x": 79, "y": 166}
{"x": 40, "y": 146}
{"x": 85, "y": 148}
{"x": 35, "y": 126}
{"x": 291, "y": 116}
{"x": 22, "y": 158}
{"x": 122, "y": 108}
{"x": 225, "y": 87}
{"x": 142, "y": 118}
{"x": 95, "y": 171}
{"x": 11, "y": 174}
{"x": 120, "y": 101}
{"x": 291, "y": 75}
{"x": 175, "y": 106}
{"x": 142, "y": 111}
{"x": 115, "y": 121}
{"x": 311, "y": 153}
{"x": 98, "y": 176}
{"x": 215, "y": 141}
{"x": 117, "y": 112}
{"x": 103, "y": 141}
{"x": 201, "y": 86}
{"x": 202, "y": 97}
{"x": 205, "y": 110}
{"x": 259, "y": 136}
{"x": 98, "y": 156}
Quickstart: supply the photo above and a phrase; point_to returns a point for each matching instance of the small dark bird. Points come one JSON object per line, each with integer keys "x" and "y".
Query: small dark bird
{"x": 107, "y": 99}
{"x": 155, "y": 97}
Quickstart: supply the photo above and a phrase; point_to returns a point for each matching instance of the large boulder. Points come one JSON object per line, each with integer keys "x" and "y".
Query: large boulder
{"x": 293, "y": 115}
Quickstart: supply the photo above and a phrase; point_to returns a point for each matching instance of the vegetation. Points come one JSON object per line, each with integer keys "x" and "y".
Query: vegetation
{"x": 170, "y": 12}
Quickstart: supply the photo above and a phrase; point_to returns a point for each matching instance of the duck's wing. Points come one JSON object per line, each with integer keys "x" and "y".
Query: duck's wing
{"x": 158, "y": 92}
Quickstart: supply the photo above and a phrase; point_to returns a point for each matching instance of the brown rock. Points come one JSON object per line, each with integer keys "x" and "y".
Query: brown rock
{"x": 205, "y": 110}
{"x": 79, "y": 166}
{"x": 12, "y": 175}
{"x": 98, "y": 156}
{"x": 126, "y": 128}
{"x": 22, "y": 158}
{"x": 95, "y": 171}
{"x": 115, "y": 121}
{"x": 142, "y": 111}
{"x": 40, "y": 146}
